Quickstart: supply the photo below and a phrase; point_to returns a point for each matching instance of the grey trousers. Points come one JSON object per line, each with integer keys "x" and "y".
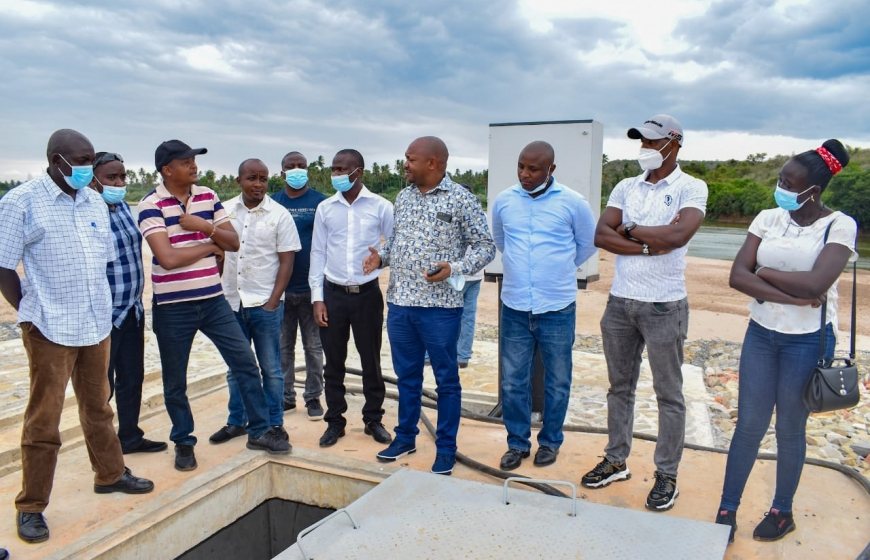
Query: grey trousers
{"x": 626, "y": 327}
{"x": 299, "y": 313}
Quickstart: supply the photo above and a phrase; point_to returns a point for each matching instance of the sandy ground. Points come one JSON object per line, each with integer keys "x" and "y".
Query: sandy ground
{"x": 717, "y": 311}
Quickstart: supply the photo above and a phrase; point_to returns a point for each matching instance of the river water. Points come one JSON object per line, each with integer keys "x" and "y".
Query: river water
{"x": 723, "y": 241}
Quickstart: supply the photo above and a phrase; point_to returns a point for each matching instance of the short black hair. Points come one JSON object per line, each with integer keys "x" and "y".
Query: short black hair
{"x": 355, "y": 156}
{"x": 818, "y": 172}
{"x": 242, "y": 165}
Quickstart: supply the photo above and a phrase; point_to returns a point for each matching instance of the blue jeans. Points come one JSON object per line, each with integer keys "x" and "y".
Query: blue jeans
{"x": 469, "y": 314}
{"x": 263, "y": 328}
{"x": 774, "y": 367}
{"x": 413, "y": 332}
{"x": 520, "y": 334}
{"x": 175, "y": 325}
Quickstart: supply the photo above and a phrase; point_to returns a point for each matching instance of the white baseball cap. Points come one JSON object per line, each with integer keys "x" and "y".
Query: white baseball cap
{"x": 657, "y": 127}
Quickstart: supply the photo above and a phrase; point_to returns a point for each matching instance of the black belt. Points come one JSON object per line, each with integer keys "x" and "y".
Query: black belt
{"x": 355, "y": 289}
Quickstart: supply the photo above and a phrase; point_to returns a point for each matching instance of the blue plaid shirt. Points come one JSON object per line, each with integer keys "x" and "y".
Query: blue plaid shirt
{"x": 126, "y": 274}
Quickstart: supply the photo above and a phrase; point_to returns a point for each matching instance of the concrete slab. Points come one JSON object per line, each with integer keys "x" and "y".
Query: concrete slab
{"x": 425, "y": 516}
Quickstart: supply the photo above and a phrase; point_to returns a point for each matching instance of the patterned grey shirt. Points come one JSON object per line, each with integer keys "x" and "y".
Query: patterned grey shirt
{"x": 445, "y": 224}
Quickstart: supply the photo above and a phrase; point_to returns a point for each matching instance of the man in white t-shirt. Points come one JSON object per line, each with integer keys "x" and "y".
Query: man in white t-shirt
{"x": 648, "y": 222}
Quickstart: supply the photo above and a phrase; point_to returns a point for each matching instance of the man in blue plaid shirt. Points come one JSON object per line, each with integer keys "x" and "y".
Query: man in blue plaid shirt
{"x": 127, "y": 281}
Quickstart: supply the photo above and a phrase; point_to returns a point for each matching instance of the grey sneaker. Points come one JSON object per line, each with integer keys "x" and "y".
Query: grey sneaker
{"x": 604, "y": 473}
{"x": 663, "y": 494}
{"x": 270, "y": 442}
{"x": 315, "y": 411}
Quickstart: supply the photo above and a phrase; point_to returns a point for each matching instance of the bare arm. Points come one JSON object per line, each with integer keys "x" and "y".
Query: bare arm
{"x": 811, "y": 283}
{"x": 673, "y": 235}
{"x": 10, "y": 287}
{"x": 744, "y": 279}
{"x": 607, "y": 237}
{"x": 224, "y": 235}
{"x": 171, "y": 257}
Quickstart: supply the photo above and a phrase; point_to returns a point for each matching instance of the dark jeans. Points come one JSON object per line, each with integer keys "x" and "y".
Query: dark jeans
{"x": 175, "y": 325}
{"x": 126, "y": 374}
{"x": 774, "y": 367}
{"x": 364, "y": 314}
{"x": 298, "y": 312}
{"x": 413, "y": 332}
{"x": 263, "y": 328}
{"x": 521, "y": 333}
{"x": 628, "y": 326}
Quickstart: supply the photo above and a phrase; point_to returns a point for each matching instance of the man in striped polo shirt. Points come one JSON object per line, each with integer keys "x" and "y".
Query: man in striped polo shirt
{"x": 648, "y": 222}
{"x": 188, "y": 231}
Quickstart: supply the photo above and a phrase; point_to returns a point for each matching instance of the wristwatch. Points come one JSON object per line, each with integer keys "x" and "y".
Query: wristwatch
{"x": 627, "y": 229}
{"x": 645, "y": 249}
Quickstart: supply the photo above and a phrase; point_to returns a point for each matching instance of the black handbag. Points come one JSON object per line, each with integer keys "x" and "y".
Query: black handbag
{"x": 834, "y": 385}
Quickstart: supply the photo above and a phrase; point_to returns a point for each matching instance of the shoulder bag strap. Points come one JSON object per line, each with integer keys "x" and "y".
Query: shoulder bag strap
{"x": 824, "y": 322}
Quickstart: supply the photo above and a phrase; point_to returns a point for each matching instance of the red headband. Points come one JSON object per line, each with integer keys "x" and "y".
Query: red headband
{"x": 832, "y": 162}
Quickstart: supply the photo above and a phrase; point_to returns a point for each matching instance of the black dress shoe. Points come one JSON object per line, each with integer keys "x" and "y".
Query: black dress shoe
{"x": 512, "y": 459}
{"x": 32, "y": 527}
{"x": 378, "y": 432}
{"x": 227, "y": 433}
{"x": 185, "y": 460}
{"x": 4, "y": 554}
{"x": 144, "y": 446}
{"x": 331, "y": 435}
{"x": 127, "y": 484}
{"x": 545, "y": 456}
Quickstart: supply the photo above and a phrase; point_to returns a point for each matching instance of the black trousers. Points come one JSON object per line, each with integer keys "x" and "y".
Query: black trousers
{"x": 363, "y": 313}
{"x": 126, "y": 373}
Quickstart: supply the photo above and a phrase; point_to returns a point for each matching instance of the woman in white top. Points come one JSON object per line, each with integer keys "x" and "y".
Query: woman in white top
{"x": 790, "y": 268}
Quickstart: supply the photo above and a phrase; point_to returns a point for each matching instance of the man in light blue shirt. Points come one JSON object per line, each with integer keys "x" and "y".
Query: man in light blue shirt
{"x": 544, "y": 231}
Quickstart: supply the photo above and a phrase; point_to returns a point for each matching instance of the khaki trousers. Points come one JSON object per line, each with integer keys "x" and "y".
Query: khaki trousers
{"x": 51, "y": 367}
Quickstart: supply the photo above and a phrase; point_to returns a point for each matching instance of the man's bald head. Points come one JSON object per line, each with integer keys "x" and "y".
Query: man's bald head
{"x": 538, "y": 149}
{"x": 66, "y": 141}
{"x": 432, "y": 147}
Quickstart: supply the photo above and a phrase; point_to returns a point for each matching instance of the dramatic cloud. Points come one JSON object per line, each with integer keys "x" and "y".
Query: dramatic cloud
{"x": 261, "y": 78}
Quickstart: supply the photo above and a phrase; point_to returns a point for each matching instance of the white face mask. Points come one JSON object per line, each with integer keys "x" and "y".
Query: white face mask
{"x": 650, "y": 159}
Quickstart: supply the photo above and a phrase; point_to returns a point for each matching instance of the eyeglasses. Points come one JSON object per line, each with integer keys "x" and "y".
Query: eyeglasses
{"x": 106, "y": 157}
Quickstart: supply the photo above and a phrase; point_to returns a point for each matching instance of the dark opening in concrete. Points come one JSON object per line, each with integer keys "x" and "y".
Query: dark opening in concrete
{"x": 260, "y": 534}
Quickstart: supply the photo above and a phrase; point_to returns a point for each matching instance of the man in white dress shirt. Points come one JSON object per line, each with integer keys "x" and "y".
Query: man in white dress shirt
{"x": 253, "y": 281}
{"x": 345, "y": 298}
{"x": 648, "y": 222}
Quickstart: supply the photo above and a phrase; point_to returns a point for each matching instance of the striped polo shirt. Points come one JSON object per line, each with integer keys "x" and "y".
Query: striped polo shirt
{"x": 159, "y": 212}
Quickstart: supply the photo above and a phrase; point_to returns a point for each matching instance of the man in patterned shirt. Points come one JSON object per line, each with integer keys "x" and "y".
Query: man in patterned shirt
{"x": 648, "y": 222}
{"x": 440, "y": 234}
{"x": 127, "y": 281}
{"x": 59, "y": 228}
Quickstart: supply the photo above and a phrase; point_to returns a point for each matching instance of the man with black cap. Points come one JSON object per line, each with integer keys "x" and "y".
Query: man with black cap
{"x": 188, "y": 230}
{"x": 648, "y": 222}
{"x": 59, "y": 230}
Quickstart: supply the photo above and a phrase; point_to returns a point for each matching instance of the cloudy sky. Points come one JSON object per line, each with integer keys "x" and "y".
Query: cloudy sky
{"x": 257, "y": 79}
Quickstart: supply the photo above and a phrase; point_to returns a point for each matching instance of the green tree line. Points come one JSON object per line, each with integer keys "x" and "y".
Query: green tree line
{"x": 739, "y": 189}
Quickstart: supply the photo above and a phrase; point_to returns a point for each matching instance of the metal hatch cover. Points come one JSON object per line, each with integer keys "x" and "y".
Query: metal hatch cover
{"x": 416, "y": 515}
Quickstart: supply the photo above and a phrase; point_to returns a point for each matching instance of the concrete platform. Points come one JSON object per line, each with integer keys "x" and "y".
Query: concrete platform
{"x": 454, "y": 519}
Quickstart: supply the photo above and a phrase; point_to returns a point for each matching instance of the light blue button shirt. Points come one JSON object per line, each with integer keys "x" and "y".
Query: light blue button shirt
{"x": 65, "y": 244}
{"x": 543, "y": 241}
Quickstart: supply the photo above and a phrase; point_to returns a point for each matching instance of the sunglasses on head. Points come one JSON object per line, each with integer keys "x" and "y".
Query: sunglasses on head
{"x": 106, "y": 157}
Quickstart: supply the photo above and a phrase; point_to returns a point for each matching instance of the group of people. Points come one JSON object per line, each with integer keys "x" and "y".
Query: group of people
{"x": 251, "y": 272}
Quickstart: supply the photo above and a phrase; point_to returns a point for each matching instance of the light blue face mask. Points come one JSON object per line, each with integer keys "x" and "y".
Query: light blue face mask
{"x": 342, "y": 183}
{"x": 81, "y": 176}
{"x": 113, "y": 195}
{"x": 787, "y": 200}
{"x": 296, "y": 178}
{"x": 540, "y": 187}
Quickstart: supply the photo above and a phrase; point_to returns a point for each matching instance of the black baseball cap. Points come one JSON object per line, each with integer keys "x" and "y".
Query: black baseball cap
{"x": 174, "y": 149}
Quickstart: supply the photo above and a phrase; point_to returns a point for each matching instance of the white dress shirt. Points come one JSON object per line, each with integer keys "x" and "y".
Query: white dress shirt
{"x": 343, "y": 233}
{"x": 264, "y": 231}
